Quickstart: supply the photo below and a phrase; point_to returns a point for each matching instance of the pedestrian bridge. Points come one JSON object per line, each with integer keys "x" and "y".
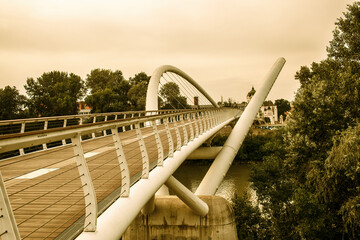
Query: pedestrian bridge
{"x": 88, "y": 176}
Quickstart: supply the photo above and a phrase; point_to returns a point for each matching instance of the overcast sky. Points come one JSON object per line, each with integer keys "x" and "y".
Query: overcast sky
{"x": 226, "y": 46}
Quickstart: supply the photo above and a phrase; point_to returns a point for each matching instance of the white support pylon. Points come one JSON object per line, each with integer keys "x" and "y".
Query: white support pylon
{"x": 223, "y": 160}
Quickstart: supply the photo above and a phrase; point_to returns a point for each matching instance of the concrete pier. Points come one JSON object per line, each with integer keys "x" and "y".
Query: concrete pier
{"x": 172, "y": 219}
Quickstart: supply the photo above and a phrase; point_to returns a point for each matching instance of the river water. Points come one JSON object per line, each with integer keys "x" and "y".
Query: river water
{"x": 235, "y": 181}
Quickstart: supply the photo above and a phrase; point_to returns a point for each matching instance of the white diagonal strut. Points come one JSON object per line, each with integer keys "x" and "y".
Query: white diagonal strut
{"x": 223, "y": 160}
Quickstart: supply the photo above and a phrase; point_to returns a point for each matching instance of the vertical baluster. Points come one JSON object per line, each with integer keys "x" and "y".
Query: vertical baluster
{"x": 124, "y": 127}
{"x": 204, "y": 119}
{"x": 144, "y": 154}
{"x": 87, "y": 186}
{"x": 22, "y": 130}
{"x": 201, "y": 129}
{"x": 45, "y": 128}
{"x": 184, "y": 129}
{"x": 104, "y": 131}
{"x": 124, "y": 168}
{"x": 131, "y": 126}
{"x": 158, "y": 144}
{"x": 212, "y": 114}
{"x": 178, "y": 136}
{"x": 196, "y": 122}
{"x": 170, "y": 140}
{"x": 8, "y": 228}
{"x": 191, "y": 126}
{"x": 94, "y": 121}
{"x": 64, "y": 126}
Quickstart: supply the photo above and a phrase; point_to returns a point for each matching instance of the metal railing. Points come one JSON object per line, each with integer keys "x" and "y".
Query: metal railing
{"x": 36, "y": 124}
{"x": 67, "y": 187}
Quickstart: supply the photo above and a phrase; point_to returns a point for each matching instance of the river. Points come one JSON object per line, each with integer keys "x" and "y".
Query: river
{"x": 235, "y": 181}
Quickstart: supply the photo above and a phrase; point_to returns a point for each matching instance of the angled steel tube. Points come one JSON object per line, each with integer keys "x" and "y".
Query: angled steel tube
{"x": 223, "y": 160}
{"x": 190, "y": 199}
{"x": 153, "y": 87}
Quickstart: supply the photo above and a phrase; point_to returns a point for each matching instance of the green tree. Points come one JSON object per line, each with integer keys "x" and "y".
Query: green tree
{"x": 326, "y": 104}
{"x": 54, "y": 93}
{"x": 12, "y": 104}
{"x": 137, "y": 92}
{"x": 345, "y": 45}
{"x": 108, "y": 91}
{"x": 282, "y": 106}
{"x": 338, "y": 185}
{"x": 170, "y": 93}
{"x": 249, "y": 222}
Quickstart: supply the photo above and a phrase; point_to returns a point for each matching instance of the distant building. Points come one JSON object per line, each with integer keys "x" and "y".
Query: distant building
{"x": 83, "y": 109}
{"x": 268, "y": 110}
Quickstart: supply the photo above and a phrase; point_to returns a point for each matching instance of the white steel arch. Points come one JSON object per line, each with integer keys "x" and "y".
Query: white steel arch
{"x": 153, "y": 87}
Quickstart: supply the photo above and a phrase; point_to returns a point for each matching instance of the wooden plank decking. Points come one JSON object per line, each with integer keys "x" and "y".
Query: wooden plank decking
{"x": 46, "y": 205}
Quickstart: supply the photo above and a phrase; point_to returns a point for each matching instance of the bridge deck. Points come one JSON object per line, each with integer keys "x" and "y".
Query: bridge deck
{"x": 51, "y": 199}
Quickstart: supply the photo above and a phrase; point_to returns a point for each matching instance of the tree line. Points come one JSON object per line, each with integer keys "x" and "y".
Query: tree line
{"x": 56, "y": 93}
{"x": 308, "y": 187}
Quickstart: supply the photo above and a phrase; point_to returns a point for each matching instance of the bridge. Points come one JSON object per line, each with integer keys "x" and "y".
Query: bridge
{"x": 89, "y": 176}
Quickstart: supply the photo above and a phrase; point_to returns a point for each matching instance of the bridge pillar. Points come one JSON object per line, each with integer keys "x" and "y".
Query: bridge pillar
{"x": 172, "y": 219}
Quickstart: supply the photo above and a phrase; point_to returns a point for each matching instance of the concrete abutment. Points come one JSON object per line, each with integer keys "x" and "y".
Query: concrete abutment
{"x": 172, "y": 219}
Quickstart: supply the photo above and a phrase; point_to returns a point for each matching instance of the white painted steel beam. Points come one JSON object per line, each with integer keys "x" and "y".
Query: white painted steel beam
{"x": 87, "y": 186}
{"x": 222, "y": 162}
{"x": 204, "y": 153}
{"x": 153, "y": 87}
{"x": 115, "y": 220}
{"x": 190, "y": 199}
{"x": 8, "y": 227}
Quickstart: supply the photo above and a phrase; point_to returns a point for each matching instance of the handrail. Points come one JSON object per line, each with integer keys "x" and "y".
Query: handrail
{"x": 21, "y": 120}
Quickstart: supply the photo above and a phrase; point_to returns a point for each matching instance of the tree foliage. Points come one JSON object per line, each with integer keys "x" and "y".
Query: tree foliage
{"x": 12, "y": 103}
{"x": 54, "y": 93}
{"x": 345, "y": 45}
{"x": 283, "y": 106}
{"x": 170, "y": 93}
{"x": 108, "y": 91}
{"x": 137, "y": 92}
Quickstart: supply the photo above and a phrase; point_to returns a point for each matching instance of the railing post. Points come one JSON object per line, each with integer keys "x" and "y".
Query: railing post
{"x": 87, "y": 186}
{"x": 213, "y": 120}
{"x": 178, "y": 137}
{"x": 123, "y": 127}
{"x": 168, "y": 133}
{"x": 144, "y": 155}
{"x": 184, "y": 129}
{"x": 64, "y": 126}
{"x": 158, "y": 144}
{"x": 8, "y": 227}
{"x": 21, "y": 150}
{"x": 191, "y": 126}
{"x": 125, "y": 173}
{"x": 131, "y": 126}
{"x": 201, "y": 129}
{"x": 45, "y": 128}
{"x": 195, "y": 115}
{"x": 94, "y": 121}
{"x": 211, "y": 114}
{"x": 104, "y": 131}
{"x": 204, "y": 118}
